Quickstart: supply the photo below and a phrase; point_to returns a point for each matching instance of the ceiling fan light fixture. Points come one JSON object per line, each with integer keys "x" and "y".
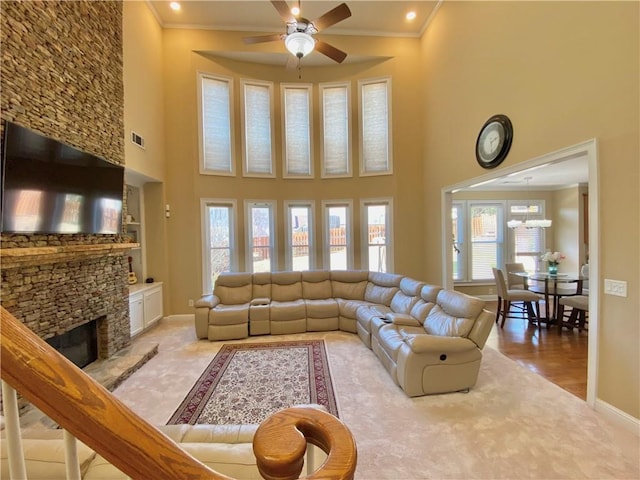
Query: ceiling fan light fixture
{"x": 299, "y": 44}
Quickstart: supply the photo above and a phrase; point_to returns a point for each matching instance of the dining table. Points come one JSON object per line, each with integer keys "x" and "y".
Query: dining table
{"x": 552, "y": 286}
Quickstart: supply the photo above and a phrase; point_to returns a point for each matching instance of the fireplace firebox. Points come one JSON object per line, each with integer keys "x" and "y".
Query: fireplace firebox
{"x": 80, "y": 344}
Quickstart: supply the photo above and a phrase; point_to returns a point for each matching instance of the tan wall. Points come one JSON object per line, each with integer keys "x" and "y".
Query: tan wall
{"x": 566, "y": 231}
{"x": 185, "y": 186}
{"x": 143, "y": 91}
{"x": 564, "y": 72}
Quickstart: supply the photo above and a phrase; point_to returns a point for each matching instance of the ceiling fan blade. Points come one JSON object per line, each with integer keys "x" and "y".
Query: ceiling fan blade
{"x": 263, "y": 38}
{"x": 330, "y": 51}
{"x": 332, "y": 17}
{"x": 284, "y": 10}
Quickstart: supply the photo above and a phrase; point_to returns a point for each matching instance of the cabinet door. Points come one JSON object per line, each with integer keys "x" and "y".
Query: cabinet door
{"x": 136, "y": 314}
{"x": 152, "y": 306}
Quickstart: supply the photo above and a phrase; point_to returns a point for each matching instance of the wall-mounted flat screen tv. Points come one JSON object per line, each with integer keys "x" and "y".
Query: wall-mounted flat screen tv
{"x": 50, "y": 187}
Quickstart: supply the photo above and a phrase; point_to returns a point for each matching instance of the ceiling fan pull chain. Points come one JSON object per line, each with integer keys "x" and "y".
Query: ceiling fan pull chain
{"x": 299, "y": 70}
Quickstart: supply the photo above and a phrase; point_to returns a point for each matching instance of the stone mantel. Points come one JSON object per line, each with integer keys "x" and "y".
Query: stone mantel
{"x": 29, "y": 256}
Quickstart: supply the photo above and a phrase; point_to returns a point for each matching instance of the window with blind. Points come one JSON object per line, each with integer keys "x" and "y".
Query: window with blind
{"x": 215, "y": 120}
{"x": 478, "y": 243}
{"x": 338, "y": 244}
{"x": 375, "y": 127}
{"x": 527, "y": 244}
{"x": 378, "y": 234}
{"x": 335, "y": 105}
{"x": 261, "y": 237}
{"x": 300, "y": 247}
{"x": 219, "y": 243}
{"x": 296, "y": 118}
{"x": 257, "y": 128}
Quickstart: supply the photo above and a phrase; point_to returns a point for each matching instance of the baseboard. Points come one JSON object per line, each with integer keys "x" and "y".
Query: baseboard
{"x": 618, "y": 416}
{"x": 181, "y": 316}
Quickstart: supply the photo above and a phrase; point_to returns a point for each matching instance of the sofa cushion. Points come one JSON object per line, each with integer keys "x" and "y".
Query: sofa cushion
{"x": 45, "y": 458}
{"x": 348, "y": 308}
{"x": 233, "y": 288}
{"x": 316, "y": 285}
{"x": 293, "y": 310}
{"x": 421, "y": 309}
{"x": 429, "y": 293}
{"x": 262, "y": 285}
{"x": 349, "y": 284}
{"x": 323, "y": 308}
{"x": 379, "y": 294}
{"x": 286, "y": 286}
{"x": 234, "y": 460}
{"x": 453, "y": 315}
{"x": 229, "y": 314}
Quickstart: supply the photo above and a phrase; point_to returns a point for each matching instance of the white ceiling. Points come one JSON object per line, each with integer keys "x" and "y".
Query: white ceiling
{"x": 386, "y": 18}
{"x": 375, "y": 18}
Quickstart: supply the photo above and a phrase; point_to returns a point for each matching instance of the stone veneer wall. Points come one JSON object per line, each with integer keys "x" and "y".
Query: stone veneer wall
{"x": 62, "y": 76}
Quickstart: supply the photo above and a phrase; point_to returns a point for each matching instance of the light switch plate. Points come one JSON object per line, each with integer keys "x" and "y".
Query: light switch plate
{"x": 615, "y": 287}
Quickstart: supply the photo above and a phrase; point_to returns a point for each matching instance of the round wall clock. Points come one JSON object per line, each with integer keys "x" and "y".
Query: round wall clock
{"x": 494, "y": 141}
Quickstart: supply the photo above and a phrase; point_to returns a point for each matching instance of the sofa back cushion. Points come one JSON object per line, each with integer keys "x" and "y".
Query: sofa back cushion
{"x": 233, "y": 288}
{"x": 262, "y": 285}
{"x": 381, "y": 287}
{"x": 286, "y": 286}
{"x": 316, "y": 285}
{"x": 421, "y": 309}
{"x": 349, "y": 284}
{"x": 453, "y": 315}
{"x": 406, "y": 298}
{"x": 429, "y": 293}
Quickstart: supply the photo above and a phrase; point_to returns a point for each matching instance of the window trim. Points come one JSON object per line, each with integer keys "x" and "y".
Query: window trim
{"x": 362, "y": 83}
{"x": 205, "y": 238}
{"x": 326, "y": 247}
{"x": 232, "y": 164}
{"x": 248, "y": 218}
{"x": 308, "y": 87}
{"x": 321, "y": 89}
{"x": 244, "y": 82}
{"x": 387, "y": 202}
{"x": 311, "y": 205}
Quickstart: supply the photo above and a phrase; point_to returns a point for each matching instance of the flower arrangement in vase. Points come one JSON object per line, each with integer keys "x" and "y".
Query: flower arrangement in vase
{"x": 553, "y": 259}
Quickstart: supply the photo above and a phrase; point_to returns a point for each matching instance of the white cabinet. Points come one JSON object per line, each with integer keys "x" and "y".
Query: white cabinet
{"x": 145, "y": 305}
{"x": 152, "y": 305}
{"x": 136, "y": 313}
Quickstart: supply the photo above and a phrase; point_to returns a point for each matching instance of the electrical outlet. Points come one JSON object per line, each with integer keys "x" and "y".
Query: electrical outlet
{"x": 191, "y": 302}
{"x": 615, "y": 287}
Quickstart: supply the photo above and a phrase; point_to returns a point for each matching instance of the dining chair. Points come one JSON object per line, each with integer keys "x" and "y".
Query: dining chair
{"x": 577, "y": 317}
{"x": 516, "y": 281}
{"x": 507, "y": 297}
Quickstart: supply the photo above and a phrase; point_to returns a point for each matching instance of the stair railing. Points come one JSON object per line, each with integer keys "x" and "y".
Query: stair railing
{"x": 92, "y": 414}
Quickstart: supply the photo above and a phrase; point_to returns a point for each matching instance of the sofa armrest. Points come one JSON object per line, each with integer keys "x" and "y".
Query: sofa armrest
{"x": 205, "y": 433}
{"x": 403, "y": 319}
{"x": 434, "y": 343}
{"x": 208, "y": 301}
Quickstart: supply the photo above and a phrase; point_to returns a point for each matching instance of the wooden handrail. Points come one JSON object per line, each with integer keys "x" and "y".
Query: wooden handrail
{"x": 85, "y": 408}
{"x": 281, "y": 441}
{"x": 92, "y": 414}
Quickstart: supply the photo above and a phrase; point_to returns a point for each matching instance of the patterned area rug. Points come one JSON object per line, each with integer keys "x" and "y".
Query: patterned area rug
{"x": 245, "y": 383}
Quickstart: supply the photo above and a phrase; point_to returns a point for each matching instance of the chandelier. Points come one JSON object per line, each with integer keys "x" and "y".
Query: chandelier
{"x": 529, "y": 222}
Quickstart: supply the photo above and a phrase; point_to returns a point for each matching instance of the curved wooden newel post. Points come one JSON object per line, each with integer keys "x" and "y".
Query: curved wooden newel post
{"x": 281, "y": 441}
{"x": 90, "y": 412}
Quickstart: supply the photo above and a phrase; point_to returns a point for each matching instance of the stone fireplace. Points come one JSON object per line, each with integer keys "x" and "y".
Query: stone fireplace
{"x": 54, "y": 289}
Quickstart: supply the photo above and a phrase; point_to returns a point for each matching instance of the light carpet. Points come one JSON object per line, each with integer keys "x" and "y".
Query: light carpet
{"x": 246, "y": 383}
{"x": 513, "y": 424}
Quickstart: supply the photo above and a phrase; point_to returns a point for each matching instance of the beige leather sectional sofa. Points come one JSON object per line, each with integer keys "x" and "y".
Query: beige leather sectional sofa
{"x": 429, "y": 339}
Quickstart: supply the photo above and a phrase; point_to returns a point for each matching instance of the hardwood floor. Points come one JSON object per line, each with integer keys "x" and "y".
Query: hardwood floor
{"x": 560, "y": 358}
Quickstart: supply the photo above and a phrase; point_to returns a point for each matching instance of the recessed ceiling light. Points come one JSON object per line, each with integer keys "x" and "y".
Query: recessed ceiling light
{"x": 175, "y": 6}
{"x": 411, "y": 15}
{"x": 295, "y": 11}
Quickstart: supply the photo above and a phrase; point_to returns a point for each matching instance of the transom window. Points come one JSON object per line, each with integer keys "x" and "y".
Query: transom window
{"x": 296, "y": 117}
{"x": 335, "y": 105}
{"x": 215, "y": 117}
{"x": 257, "y": 128}
{"x": 375, "y": 127}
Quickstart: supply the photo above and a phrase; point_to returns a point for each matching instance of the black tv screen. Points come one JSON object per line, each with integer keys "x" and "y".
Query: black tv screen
{"x": 50, "y": 187}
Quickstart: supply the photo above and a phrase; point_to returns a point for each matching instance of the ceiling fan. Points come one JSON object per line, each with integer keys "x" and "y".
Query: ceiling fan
{"x": 298, "y": 38}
